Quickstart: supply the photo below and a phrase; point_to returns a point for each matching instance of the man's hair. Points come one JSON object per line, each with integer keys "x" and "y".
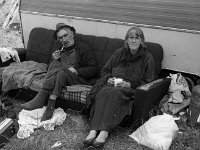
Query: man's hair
{"x": 60, "y": 26}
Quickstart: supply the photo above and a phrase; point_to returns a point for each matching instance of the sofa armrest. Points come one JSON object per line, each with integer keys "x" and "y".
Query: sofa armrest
{"x": 21, "y": 53}
{"x": 146, "y": 97}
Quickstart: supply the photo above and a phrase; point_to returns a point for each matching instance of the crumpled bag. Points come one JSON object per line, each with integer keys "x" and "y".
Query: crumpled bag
{"x": 30, "y": 120}
{"x": 157, "y": 133}
{"x": 179, "y": 89}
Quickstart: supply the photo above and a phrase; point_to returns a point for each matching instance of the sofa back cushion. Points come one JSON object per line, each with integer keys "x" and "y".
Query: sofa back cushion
{"x": 103, "y": 47}
{"x": 41, "y": 45}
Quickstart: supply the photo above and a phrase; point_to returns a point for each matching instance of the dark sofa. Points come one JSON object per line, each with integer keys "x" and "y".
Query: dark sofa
{"x": 41, "y": 45}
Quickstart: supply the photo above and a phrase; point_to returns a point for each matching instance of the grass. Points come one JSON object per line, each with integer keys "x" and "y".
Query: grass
{"x": 71, "y": 134}
{"x": 75, "y": 128}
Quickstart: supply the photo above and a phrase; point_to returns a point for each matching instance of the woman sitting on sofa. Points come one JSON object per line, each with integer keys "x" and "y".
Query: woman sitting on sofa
{"x": 74, "y": 63}
{"x": 109, "y": 102}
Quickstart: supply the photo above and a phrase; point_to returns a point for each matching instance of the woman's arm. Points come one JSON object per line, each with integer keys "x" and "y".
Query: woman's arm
{"x": 106, "y": 71}
{"x": 147, "y": 72}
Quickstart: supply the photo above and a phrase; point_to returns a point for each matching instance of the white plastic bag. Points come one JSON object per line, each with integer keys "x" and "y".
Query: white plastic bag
{"x": 31, "y": 119}
{"x": 157, "y": 133}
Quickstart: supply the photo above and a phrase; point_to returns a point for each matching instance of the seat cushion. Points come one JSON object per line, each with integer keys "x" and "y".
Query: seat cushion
{"x": 77, "y": 93}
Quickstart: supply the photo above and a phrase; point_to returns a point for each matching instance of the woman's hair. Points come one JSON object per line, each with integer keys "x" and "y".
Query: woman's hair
{"x": 139, "y": 33}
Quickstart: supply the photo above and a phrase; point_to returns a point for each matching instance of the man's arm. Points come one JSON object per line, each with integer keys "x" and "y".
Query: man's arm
{"x": 88, "y": 64}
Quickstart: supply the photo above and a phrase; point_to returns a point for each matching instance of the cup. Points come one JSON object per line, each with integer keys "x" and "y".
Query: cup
{"x": 117, "y": 81}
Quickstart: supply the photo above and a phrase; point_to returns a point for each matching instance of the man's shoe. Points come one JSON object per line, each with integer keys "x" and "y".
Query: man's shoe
{"x": 47, "y": 114}
{"x": 37, "y": 102}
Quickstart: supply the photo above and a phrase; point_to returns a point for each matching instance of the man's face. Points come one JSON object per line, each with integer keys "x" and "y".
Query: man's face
{"x": 66, "y": 37}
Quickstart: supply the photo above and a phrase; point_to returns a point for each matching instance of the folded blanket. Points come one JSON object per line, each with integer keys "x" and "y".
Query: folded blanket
{"x": 30, "y": 120}
{"x": 79, "y": 88}
{"x": 7, "y": 53}
{"x": 23, "y": 74}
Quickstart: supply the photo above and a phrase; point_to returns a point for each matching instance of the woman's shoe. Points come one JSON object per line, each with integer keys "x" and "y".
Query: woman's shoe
{"x": 98, "y": 144}
{"x": 90, "y": 138}
{"x": 88, "y": 142}
{"x": 101, "y": 139}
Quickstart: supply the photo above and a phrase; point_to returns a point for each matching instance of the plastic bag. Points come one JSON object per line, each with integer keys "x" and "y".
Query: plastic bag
{"x": 178, "y": 88}
{"x": 31, "y": 119}
{"x": 157, "y": 133}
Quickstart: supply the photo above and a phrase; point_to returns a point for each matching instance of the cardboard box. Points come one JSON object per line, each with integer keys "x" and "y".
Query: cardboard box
{"x": 6, "y": 131}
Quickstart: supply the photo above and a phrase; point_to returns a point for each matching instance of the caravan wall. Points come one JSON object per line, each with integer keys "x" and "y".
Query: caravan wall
{"x": 181, "y": 48}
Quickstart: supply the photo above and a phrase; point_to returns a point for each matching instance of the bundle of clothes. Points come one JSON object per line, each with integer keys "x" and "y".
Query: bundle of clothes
{"x": 27, "y": 75}
{"x": 30, "y": 120}
{"x": 6, "y": 53}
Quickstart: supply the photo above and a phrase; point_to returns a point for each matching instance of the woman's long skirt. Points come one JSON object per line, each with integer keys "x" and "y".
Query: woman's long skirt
{"x": 110, "y": 107}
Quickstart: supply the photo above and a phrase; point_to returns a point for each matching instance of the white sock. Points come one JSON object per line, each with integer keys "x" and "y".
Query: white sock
{"x": 92, "y": 134}
{"x": 102, "y": 136}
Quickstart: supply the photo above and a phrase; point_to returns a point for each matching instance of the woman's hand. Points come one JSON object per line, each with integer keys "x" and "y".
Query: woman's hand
{"x": 124, "y": 84}
{"x": 111, "y": 81}
{"x": 56, "y": 55}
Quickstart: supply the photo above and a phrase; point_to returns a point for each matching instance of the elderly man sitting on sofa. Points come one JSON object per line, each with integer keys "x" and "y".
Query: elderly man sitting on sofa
{"x": 74, "y": 63}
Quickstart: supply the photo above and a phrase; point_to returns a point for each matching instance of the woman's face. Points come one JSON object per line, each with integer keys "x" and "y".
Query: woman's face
{"x": 134, "y": 41}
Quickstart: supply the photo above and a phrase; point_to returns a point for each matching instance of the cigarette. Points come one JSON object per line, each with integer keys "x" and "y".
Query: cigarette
{"x": 62, "y": 48}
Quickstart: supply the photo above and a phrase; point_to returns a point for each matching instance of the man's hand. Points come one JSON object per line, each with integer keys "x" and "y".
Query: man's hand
{"x": 73, "y": 70}
{"x": 56, "y": 55}
{"x": 124, "y": 84}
